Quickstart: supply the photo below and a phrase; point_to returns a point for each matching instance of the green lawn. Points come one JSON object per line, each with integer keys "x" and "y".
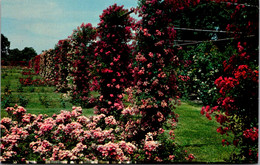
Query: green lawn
{"x": 194, "y": 132}
{"x": 33, "y": 94}
{"x": 198, "y": 135}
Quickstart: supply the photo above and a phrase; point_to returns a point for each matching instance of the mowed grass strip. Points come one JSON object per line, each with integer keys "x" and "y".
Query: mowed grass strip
{"x": 198, "y": 135}
{"x": 10, "y": 76}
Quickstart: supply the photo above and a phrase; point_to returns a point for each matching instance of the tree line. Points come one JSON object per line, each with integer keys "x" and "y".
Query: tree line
{"x": 15, "y": 56}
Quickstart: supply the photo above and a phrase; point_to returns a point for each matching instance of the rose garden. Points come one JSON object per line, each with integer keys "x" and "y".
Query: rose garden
{"x": 126, "y": 83}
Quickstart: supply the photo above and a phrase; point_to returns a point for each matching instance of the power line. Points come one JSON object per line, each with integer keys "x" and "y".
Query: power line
{"x": 204, "y": 30}
{"x": 197, "y": 42}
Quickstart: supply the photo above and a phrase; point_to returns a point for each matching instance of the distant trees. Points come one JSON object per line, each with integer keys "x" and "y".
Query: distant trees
{"x": 5, "y": 45}
{"x": 21, "y": 55}
{"x": 11, "y": 56}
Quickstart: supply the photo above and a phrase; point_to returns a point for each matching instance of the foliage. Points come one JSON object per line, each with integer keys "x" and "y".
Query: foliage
{"x": 27, "y": 53}
{"x": 44, "y": 100}
{"x": 23, "y": 101}
{"x": 19, "y": 57}
{"x": 200, "y": 66}
{"x": 7, "y": 98}
{"x": 205, "y": 15}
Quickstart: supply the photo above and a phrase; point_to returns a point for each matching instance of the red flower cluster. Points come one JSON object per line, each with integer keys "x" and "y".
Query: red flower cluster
{"x": 29, "y": 81}
{"x": 251, "y": 133}
{"x": 226, "y": 84}
{"x": 180, "y": 5}
{"x": 184, "y": 78}
{"x": 28, "y": 73}
{"x": 36, "y": 63}
{"x": 206, "y": 110}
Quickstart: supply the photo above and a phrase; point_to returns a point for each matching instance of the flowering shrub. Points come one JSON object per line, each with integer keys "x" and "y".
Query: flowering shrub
{"x": 155, "y": 78}
{"x": 155, "y": 91}
{"x": 237, "y": 107}
{"x": 29, "y": 81}
{"x": 47, "y": 66}
{"x": 237, "y": 103}
{"x": 81, "y": 59}
{"x": 66, "y": 136}
{"x": 113, "y": 58}
{"x": 199, "y": 67}
{"x": 61, "y": 65}
{"x": 35, "y": 62}
{"x": 73, "y": 137}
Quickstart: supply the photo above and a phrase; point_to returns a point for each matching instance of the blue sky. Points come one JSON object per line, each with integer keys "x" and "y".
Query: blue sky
{"x": 42, "y": 23}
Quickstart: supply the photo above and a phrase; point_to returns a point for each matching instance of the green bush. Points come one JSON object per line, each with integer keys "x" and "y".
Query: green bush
{"x": 23, "y": 101}
{"x": 7, "y": 97}
{"x": 44, "y": 100}
{"x": 200, "y": 66}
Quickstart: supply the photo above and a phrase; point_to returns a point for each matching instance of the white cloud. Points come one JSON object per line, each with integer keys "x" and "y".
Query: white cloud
{"x": 30, "y": 9}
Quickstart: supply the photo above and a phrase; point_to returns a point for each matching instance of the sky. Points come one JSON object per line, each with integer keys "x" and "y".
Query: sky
{"x": 40, "y": 24}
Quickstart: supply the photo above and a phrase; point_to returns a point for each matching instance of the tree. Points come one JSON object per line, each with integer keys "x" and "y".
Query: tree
{"x": 27, "y": 53}
{"x": 5, "y": 45}
{"x": 14, "y": 54}
{"x": 22, "y": 55}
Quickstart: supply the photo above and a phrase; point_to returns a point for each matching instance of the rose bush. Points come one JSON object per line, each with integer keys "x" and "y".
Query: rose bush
{"x": 237, "y": 104}
{"x": 66, "y": 136}
{"x": 35, "y": 63}
{"x": 61, "y": 65}
{"x": 137, "y": 132}
{"x": 81, "y": 59}
{"x": 47, "y": 66}
{"x": 155, "y": 90}
{"x": 72, "y": 137}
{"x": 113, "y": 62}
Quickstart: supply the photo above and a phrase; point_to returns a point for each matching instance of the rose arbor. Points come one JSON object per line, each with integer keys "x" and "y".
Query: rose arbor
{"x": 113, "y": 58}
{"x": 81, "y": 64}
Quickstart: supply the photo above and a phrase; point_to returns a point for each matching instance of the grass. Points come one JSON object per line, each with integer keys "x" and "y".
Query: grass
{"x": 194, "y": 132}
{"x": 10, "y": 76}
{"x": 198, "y": 135}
